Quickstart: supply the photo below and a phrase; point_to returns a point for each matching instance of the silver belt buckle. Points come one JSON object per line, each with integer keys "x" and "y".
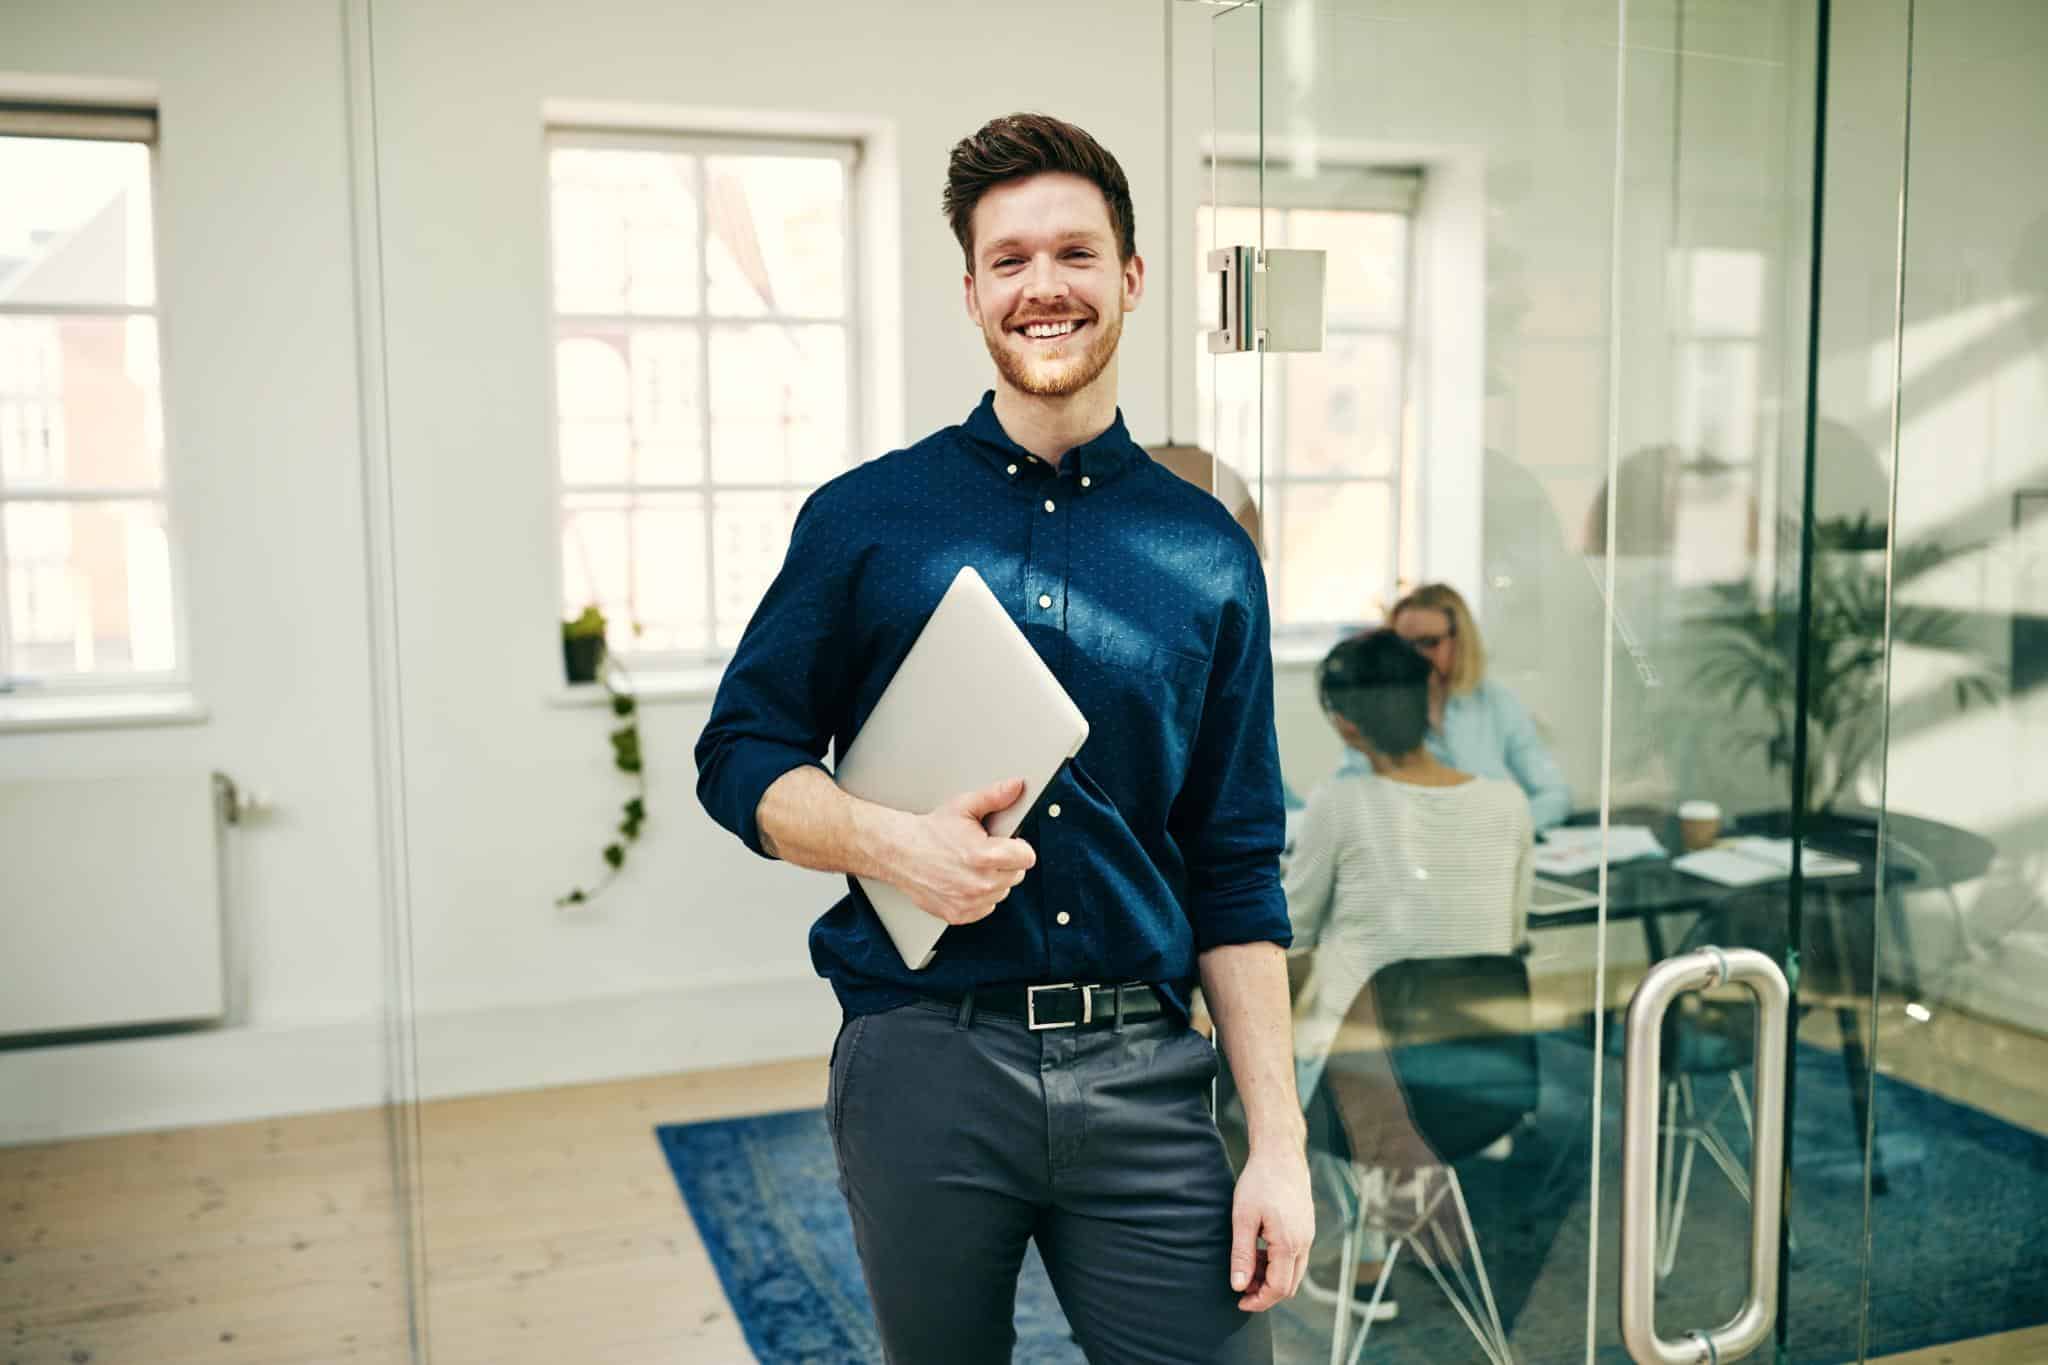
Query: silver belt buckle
{"x": 1031, "y": 1006}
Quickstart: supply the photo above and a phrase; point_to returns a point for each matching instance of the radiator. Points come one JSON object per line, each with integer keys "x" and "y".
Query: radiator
{"x": 110, "y": 903}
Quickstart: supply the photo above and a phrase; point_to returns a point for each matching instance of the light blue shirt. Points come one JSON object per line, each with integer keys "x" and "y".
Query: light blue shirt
{"x": 1488, "y": 733}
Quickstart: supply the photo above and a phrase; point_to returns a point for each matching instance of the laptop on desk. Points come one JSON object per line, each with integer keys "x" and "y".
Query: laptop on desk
{"x": 1549, "y": 897}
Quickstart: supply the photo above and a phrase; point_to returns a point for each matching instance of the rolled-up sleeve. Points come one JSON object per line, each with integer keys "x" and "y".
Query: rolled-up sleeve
{"x": 1230, "y": 818}
{"x": 776, "y": 705}
{"x": 1530, "y": 762}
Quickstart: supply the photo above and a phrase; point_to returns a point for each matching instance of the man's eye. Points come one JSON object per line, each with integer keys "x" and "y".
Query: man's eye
{"x": 1007, "y": 261}
{"x": 1080, "y": 254}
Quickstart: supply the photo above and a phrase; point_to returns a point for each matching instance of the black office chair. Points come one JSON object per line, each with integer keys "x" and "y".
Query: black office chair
{"x": 1449, "y": 1068}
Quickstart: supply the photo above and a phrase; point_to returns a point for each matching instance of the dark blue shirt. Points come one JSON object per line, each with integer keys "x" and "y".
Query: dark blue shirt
{"x": 1161, "y": 838}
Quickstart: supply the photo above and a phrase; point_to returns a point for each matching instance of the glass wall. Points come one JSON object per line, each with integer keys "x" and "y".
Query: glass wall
{"x": 1663, "y": 484}
{"x": 1617, "y": 344}
{"x": 198, "y": 1155}
{"x": 1565, "y": 359}
{"x": 1957, "y": 406}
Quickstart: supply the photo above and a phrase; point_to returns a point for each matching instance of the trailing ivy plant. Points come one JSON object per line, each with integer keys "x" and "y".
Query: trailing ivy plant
{"x": 625, "y": 742}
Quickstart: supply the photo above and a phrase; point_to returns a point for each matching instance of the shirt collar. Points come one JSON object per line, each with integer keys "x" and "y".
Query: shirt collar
{"x": 1108, "y": 455}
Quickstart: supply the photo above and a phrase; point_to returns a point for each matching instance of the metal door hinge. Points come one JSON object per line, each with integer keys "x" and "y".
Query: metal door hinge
{"x": 1271, "y": 300}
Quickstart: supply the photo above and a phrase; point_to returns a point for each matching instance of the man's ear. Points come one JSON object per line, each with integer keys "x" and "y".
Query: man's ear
{"x": 973, "y": 304}
{"x": 1134, "y": 281}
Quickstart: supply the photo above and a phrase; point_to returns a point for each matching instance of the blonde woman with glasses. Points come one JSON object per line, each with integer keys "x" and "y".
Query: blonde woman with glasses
{"x": 1475, "y": 724}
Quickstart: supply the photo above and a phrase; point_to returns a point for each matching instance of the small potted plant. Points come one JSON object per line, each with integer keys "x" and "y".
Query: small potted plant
{"x": 585, "y": 660}
{"x": 583, "y": 646}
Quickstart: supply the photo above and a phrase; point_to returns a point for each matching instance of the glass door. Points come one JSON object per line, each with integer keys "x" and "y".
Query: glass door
{"x": 1959, "y": 1101}
{"x": 1552, "y": 441}
{"x": 1699, "y": 350}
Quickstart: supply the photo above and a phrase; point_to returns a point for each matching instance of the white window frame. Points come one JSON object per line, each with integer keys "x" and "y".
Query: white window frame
{"x": 691, "y": 671}
{"x": 83, "y": 122}
{"x": 1344, "y": 187}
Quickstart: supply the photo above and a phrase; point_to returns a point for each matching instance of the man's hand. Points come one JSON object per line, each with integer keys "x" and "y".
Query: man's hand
{"x": 951, "y": 867}
{"x": 1273, "y": 1203}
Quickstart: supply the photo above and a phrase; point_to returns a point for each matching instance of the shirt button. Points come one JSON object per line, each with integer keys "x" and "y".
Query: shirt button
{"x": 1053, "y": 810}
{"x": 1086, "y": 481}
{"x": 1048, "y": 504}
{"x": 1013, "y": 471}
{"x": 1062, "y": 917}
{"x": 1044, "y": 599}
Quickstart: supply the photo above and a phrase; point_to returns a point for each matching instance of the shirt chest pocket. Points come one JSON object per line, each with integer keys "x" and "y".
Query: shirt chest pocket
{"x": 1148, "y": 694}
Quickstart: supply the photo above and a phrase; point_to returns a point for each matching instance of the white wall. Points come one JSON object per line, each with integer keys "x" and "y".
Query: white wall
{"x": 257, "y": 290}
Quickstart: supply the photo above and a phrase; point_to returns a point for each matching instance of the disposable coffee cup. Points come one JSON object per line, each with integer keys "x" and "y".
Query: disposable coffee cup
{"x": 1699, "y": 824}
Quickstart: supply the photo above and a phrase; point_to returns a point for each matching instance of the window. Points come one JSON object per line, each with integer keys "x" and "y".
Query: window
{"x": 85, "y": 555}
{"x": 1337, "y": 494}
{"x": 704, "y": 310}
{"x": 1719, "y": 348}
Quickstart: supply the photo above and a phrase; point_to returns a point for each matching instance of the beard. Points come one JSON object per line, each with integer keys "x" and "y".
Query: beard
{"x": 1062, "y": 373}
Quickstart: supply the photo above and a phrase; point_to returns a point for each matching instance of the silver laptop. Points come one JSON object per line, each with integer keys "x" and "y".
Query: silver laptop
{"x": 971, "y": 705}
{"x": 1547, "y": 897}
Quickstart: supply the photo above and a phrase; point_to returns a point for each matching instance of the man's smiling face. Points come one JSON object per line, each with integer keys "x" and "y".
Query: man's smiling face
{"x": 1047, "y": 289}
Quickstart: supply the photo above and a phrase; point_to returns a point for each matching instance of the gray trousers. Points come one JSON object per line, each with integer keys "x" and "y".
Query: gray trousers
{"x": 958, "y": 1142}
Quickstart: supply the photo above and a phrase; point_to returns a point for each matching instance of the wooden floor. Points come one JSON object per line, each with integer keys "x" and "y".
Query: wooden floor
{"x": 555, "y": 1235}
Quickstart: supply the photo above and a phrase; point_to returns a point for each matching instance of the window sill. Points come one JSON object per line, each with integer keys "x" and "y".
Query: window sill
{"x": 117, "y": 710}
{"x": 677, "y": 685}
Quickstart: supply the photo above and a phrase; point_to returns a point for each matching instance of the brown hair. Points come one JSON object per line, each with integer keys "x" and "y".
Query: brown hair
{"x": 1019, "y": 145}
{"x": 1470, "y": 669}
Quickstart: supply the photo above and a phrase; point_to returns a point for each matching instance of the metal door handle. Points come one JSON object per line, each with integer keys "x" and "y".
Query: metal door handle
{"x": 1643, "y": 1069}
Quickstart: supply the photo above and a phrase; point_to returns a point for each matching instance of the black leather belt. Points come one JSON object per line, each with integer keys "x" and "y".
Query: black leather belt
{"x": 1071, "y": 1004}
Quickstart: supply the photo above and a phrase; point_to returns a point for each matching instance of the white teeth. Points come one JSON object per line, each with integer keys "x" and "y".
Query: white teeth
{"x": 1049, "y": 329}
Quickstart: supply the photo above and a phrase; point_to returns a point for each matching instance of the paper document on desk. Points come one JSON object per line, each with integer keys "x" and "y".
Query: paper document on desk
{"x": 1750, "y": 860}
{"x": 1571, "y": 849}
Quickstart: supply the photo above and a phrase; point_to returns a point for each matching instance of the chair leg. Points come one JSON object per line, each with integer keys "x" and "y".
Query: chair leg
{"x": 1749, "y": 1131}
{"x": 1481, "y": 1332}
{"x": 1477, "y": 1309}
{"x": 1347, "y": 1282}
{"x": 1500, "y": 1334}
{"x": 1379, "y": 1291}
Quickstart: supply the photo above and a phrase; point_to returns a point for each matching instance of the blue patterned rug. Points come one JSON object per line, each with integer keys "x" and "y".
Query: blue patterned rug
{"x": 1957, "y": 1235}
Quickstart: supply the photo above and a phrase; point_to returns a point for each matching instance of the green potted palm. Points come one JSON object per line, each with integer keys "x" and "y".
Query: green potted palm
{"x": 1753, "y": 652}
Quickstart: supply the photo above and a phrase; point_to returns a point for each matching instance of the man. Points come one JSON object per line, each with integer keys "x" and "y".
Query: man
{"x": 1039, "y": 1080}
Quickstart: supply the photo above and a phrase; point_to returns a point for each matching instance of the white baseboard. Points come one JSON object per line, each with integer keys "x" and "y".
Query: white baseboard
{"x": 712, "y": 1023}
{"x": 183, "y": 1080}
{"x": 233, "y": 1075}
